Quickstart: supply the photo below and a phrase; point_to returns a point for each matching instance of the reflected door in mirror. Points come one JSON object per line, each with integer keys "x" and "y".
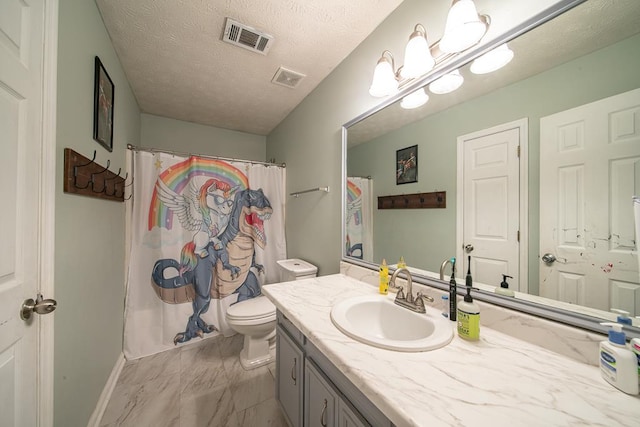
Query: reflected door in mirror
{"x": 592, "y": 157}
{"x": 490, "y": 204}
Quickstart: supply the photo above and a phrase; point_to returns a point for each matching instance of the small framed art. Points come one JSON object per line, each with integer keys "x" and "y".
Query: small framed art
{"x": 407, "y": 165}
{"x": 103, "y": 106}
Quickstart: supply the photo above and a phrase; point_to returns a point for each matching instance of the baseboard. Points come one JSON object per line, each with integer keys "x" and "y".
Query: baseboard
{"x": 96, "y": 417}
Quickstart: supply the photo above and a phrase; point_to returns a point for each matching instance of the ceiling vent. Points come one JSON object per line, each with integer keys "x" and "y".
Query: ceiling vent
{"x": 246, "y": 37}
{"x": 288, "y": 78}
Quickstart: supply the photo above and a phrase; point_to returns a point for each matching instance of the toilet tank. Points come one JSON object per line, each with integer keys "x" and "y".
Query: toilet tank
{"x": 296, "y": 269}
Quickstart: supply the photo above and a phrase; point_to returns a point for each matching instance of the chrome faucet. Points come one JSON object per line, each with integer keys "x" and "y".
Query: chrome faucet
{"x": 443, "y": 266}
{"x": 414, "y": 304}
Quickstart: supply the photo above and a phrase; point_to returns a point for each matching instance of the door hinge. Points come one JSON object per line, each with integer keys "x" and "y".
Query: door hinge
{"x": 518, "y": 235}
{"x": 518, "y": 151}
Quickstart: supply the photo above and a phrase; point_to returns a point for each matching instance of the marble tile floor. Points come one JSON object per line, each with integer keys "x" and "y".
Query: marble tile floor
{"x": 199, "y": 385}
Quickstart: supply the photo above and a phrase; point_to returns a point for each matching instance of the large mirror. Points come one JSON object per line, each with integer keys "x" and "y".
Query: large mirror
{"x": 570, "y": 100}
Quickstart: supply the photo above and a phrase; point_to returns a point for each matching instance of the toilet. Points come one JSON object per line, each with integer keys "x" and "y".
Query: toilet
{"x": 255, "y": 318}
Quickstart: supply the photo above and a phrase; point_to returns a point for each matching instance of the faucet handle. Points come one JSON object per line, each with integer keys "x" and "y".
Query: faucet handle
{"x": 420, "y": 297}
{"x": 400, "y": 294}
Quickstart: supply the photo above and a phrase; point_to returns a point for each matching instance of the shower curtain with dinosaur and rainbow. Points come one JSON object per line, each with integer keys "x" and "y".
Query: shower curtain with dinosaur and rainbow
{"x": 359, "y": 218}
{"x": 205, "y": 233}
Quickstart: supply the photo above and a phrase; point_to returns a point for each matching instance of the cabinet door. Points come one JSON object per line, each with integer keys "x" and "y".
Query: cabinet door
{"x": 289, "y": 381}
{"x": 320, "y": 400}
{"x": 348, "y": 417}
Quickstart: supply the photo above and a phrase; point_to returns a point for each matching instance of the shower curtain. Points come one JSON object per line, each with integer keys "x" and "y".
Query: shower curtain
{"x": 359, "y": 220}
{"x": 205, "y": 234}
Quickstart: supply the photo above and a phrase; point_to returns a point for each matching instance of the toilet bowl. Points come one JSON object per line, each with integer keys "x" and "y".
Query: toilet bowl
{"x": 255, "y": 318}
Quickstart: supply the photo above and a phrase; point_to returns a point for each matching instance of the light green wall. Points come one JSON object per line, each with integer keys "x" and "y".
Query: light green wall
{"x": 309, "y": 139}
{"x": 426, "y": 237}
{"x": 170, "y": 134}
{"x": 90, "y": 236}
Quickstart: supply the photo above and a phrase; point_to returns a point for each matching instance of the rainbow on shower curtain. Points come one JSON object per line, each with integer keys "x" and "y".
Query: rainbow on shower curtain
{"x": 359, "y": 219}
{"x": 206, "y": 234}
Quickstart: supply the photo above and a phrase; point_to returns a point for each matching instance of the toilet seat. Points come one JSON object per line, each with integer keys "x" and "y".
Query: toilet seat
{"x": 256, "y": 310}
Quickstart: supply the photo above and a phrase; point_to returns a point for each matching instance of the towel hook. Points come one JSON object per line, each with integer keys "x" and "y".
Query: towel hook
{"x": 75, "y": 173}
{"x": 114, "y": 185}
{"x": 104, "y": 184}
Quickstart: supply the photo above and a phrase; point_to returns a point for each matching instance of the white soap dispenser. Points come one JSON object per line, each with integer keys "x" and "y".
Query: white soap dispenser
{"x": 623, "y": 316}
{"x": 618, "y": 364}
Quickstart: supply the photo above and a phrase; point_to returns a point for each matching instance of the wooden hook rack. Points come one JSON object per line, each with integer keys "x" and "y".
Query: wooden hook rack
{"x": 436, "y": 199}
{"x": 85, "y": 177}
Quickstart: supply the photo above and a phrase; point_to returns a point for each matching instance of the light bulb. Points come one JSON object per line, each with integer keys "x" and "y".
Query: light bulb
{"x": 417, "y": 55}
{"x": 492, "y": 60}
{"x": 447, "y": 83}
{"x": 384, "y": 79}
{"x": 463, "y": 28}
{"x": 414, "y": 99}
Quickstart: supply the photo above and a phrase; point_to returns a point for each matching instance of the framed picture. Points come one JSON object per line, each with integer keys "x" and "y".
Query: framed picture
{"x": 103, "y": 106}
{"x": 407, "y": 165}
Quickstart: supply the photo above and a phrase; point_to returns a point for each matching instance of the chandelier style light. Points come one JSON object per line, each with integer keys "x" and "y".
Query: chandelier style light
{"x": 464, "y": 28}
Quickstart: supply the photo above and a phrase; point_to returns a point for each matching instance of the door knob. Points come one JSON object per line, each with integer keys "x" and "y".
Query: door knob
{"x": 548, "y": 258}
{"x": 468, "y": 248}
{"x": 39, "y": 306}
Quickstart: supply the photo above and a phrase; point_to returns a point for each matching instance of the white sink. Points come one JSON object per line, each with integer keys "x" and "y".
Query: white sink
{"x": 377, "y": 321}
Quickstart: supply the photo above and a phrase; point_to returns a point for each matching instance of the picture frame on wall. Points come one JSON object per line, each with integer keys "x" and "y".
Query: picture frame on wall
{"x": 103, "y": 106}
{"x": 407, "y": 165}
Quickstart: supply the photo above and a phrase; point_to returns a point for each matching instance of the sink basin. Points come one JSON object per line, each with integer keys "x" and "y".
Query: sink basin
{"x": 377, "y": 321}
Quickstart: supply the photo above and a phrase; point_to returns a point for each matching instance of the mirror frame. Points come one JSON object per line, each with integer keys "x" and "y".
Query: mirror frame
{"x": 538, "y": 309}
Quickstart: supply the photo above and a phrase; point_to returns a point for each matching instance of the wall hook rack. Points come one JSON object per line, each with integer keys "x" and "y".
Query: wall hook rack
{"x": 85, "y": 177}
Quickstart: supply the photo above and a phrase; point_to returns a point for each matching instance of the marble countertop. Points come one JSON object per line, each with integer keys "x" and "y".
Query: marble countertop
{"x": 498, "y": 380}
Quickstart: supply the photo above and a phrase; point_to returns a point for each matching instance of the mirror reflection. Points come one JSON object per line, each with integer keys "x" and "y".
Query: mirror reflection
{"x": 539, "y": 160}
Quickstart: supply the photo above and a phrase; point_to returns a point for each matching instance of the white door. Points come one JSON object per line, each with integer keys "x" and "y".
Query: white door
{"x": 589, "y": 171}
{"x": 21, "y": 228}
{"x": 489, "y": 204}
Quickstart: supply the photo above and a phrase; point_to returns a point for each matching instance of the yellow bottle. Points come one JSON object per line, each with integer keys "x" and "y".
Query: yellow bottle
{"x": 401, "y": 263}
{"x": 384, "y": 278}
{"x": 468, "y": 316}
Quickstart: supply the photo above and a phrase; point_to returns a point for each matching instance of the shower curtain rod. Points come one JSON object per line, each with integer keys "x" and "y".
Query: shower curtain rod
{"x": 182, "y": 153}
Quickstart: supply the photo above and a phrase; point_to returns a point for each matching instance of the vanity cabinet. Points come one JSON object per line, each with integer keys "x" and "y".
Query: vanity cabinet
{"x": 320, "y": 399}
{"x": 311, "y": 391}
{"x": 289, "y": 377}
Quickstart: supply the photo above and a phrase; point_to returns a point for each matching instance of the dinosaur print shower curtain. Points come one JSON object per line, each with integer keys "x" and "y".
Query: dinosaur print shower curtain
{"x": 205, "y": 234}
{"x": 359, "y": 218}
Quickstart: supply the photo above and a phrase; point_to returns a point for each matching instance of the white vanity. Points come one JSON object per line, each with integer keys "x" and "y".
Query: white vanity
{"x": 327, "y": 378}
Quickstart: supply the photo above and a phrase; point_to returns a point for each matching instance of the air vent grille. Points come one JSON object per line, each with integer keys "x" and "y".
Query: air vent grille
{"x": 246, "y": 37}
{"x": 288, "y": 78}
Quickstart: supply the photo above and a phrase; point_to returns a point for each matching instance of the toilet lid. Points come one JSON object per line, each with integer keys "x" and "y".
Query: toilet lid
{"x": 253, "y": 308}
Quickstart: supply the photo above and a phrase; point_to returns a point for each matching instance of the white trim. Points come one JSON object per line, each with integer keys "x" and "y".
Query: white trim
{"x": 101, "y": 406}
{"x": 523, "y": 128}
{"x": 45, "y": 378}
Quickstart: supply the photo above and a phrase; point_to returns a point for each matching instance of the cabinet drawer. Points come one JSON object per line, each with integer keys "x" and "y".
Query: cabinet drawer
{"x": 294, "y": 332}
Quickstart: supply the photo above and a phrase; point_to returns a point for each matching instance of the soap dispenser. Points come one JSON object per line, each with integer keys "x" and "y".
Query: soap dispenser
{"x": 623, "y": 316}
{"x": 503, "y": 289}
{"x": 469, "y": 313}
{"x": 618, "y": 364}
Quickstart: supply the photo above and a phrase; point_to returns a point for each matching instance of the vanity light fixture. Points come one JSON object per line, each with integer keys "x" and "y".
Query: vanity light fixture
{"x": 464, "y": 27}
{"x": 385, "y": 81}
{"x": 414, "y": 99}
{"x": 447, "y": 83}
{"x": 417, "y": 55}
{"x": 492, "y": 60}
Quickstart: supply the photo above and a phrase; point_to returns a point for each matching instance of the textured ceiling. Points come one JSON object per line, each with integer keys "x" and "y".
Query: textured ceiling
{"x": 178, "y": 66}
{"x": 584, "y": 29}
